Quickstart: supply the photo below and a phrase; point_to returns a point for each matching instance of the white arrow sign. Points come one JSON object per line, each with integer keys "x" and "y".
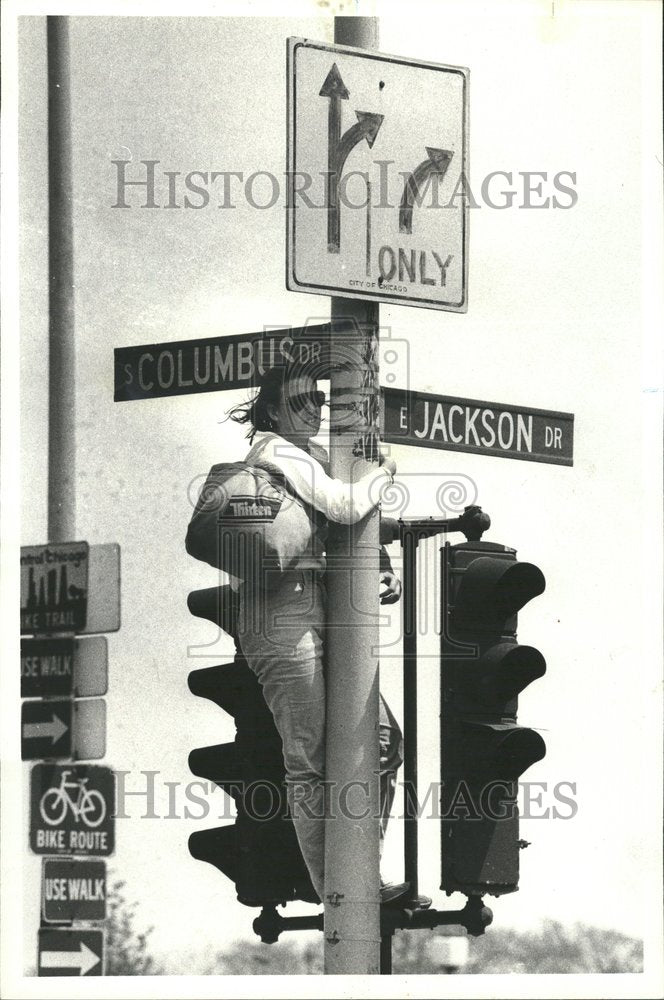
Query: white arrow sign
{"x": 84, "y": 959}
{"x": 55, "y": 728}
{"x": 386, "y": 219}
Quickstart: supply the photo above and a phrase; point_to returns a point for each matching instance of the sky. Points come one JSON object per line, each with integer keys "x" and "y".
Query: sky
{"x": 562, "y": 315}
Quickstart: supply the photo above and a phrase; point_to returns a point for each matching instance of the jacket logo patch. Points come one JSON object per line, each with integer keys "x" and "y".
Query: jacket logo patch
{"x": 248, "y": 508}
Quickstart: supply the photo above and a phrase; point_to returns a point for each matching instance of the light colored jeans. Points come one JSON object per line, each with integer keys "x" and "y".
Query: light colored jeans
{"x": 281, "y": 633}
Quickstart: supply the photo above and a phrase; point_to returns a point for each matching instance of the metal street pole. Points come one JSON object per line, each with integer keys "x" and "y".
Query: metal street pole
{"x": 61, "y": 376}
{"x": 352, "y": 864}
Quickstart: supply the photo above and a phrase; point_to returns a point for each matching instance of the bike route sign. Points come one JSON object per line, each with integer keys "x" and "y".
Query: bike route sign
{"x": 73, "y": 890}
{"x": 72, "y": 809}
{"x": 71, "y": 953}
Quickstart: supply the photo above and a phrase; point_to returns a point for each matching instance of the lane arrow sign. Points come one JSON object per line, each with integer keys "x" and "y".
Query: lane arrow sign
{"x": 54, "y": 728}
{"x": 84, "y": 959}
{"x": 338, "y": 147}
{"x": 367, "y": 126}
{"x": 47, "y": 729}
{"x": 437, "y": 162}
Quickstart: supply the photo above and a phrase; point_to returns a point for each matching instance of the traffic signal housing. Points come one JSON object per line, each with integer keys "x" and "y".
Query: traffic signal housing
{"x": 483, "y": 750}
{"x": 259, "y": 852}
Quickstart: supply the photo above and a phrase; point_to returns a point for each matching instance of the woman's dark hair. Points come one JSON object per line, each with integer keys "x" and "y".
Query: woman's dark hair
{"x": 255, "y": 411}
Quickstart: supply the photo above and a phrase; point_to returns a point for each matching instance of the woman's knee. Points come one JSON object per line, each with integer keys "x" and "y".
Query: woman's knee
{"x": 303, "y": 731}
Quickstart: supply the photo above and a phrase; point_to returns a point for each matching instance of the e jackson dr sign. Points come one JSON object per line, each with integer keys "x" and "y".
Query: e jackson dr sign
{"x": 473, "y": 425}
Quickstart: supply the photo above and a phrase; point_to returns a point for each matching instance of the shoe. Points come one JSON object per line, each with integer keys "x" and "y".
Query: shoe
{"x": 393, "y": 892}
{"x": 416, "y": 903}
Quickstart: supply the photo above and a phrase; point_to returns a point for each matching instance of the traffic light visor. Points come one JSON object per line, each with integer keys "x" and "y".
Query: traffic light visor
{"x": 507, "y": 669}
{"x": 496, "y": 588}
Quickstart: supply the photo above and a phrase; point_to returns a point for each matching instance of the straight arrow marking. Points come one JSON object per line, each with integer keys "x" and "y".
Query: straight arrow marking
{"x": 338, "y": 147}
{"x": 84, "y": 959}
{"x": 334, "y": 89}
{"x": 56, "y": 729}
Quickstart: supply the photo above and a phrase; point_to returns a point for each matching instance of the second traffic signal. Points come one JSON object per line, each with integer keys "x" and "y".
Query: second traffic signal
{"x": 483, "y": 750}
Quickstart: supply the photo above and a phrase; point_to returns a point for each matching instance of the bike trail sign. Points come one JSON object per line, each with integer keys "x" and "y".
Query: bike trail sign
{"x": 73, "y": 890}
{"x": 54, "y": 587}
{"x": 72, "y": 809}
{"x": 70, "y": 587}
{"x": 70, "y": 953}
{"x": 377, "y": 169}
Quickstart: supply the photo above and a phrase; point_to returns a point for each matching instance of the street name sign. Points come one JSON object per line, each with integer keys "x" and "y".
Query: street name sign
{"x": 181, "y": 367}
{"x": 73, "y": 890}
{"x": 53, "y": 667}
{"x": 70, "y": 953}
{"x": 425, "y": 420}
{"x": 70, "y": 587}
{"x": 377, "y": 168}
{"x": 72, "y": 809}
{"x": 471, "y": 425}
{"x": 185, "y": 367}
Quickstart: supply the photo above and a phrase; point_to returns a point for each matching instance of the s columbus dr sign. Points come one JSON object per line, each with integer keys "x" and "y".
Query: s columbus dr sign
{"x": 181, "y": 367}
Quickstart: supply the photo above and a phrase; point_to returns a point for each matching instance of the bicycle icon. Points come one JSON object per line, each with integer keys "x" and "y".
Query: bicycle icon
{"x": 89, "y": 806}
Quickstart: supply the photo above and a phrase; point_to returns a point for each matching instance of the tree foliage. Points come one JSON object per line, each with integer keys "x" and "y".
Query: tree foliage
{"x": 556, "y": 947}
{"x": 126, "y": 948}
{"x": 552, "y": 947}
{"x": 286, "y": 958}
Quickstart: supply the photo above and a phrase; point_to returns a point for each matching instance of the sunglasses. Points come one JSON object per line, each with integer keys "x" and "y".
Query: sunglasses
{"x": 307, "y": 400}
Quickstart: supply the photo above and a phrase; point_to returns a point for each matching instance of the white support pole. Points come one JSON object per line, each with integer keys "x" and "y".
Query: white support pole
{"x": 352, "y": 874}
{"x": 62, "y": 392}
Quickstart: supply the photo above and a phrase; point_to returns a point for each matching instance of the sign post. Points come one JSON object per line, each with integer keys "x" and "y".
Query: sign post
{"x": 62, "y": 343}
{"x": 352, "y": 862}
{"x": 68, "y": 815}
